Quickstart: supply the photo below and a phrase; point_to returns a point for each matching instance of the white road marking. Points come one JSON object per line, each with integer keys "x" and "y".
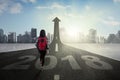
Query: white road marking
{"x": 22, "y": 64}
{"x": 90, "y": 61}
{"x": 56, "y": 77}
{"x": 56, "y": 47}
{"x": 51, "y": 65}
{"x": 72, "y": 61}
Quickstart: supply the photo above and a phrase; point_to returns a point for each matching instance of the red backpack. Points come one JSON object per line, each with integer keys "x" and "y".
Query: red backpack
{"x": 42, "y": 43}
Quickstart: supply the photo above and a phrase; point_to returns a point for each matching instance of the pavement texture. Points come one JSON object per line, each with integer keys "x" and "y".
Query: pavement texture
{"x": 62, "y": 63}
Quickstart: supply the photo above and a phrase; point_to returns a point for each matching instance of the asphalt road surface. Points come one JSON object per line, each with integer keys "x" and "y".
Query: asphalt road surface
{"x": 62, "y": 63}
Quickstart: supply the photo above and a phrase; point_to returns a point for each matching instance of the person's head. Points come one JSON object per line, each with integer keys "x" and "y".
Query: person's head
{"x": 42, "y": 33}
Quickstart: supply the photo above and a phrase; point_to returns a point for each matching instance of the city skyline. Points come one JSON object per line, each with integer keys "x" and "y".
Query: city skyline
{"x": 80, "y": 15}
{"x": 31, "y": 36}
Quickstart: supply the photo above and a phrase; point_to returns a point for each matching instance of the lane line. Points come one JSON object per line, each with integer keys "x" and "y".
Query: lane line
{"x": 56, "y": 77}
{"x": 56, "y": 47}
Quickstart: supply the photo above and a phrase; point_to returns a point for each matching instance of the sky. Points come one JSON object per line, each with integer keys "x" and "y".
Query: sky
{"x": 75, "y": 15}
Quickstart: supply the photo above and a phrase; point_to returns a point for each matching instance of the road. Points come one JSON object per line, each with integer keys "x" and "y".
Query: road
{"x": 62, "y": 63}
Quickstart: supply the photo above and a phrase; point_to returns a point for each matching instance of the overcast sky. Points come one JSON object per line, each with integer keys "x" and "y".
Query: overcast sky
{"x": 81, "y": 15}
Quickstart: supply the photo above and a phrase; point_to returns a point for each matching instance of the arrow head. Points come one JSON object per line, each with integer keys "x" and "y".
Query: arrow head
{"x": 56, "y": 19}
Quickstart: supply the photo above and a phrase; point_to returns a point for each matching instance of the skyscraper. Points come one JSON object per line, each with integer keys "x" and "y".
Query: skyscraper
{"x": 27, "y": 37}
{"x": 49, "y": 36}
{"x": 92, "y": 36}
{"x": 19, "y": 38}
{"x": 118, "y": 34}
{"x": 1, "y": 36}
{"x": 12, "y": 37}
{"x": 33, "y": 34}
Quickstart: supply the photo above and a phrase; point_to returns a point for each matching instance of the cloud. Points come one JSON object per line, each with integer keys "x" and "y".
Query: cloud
{"x": 111, "y": 22}
{"x": 3, "y": 6}
{"x": 16, "y": 8}
{"x": 29, "y": 1}
{"x": 10, "y": 6}
{"x": 13, "y": 6}
{"x": 43, "y": 7}
{"x": 80, "y": 21}
{"x": 53, "y": 6}
{"x": 87, "y": 7}
{"x": 116, "y": 1}
{"x": 56, "y": 5}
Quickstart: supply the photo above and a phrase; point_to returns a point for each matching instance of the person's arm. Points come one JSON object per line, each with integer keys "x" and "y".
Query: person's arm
{"x": 47, "y": 46}
{"x": 36, "y": 43}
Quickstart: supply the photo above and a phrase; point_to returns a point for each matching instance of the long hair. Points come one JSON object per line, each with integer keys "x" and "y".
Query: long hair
{"x": 42, "y": 33}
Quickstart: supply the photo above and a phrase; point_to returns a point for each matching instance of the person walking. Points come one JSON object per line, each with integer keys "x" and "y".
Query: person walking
{"x": 42, "y": 46}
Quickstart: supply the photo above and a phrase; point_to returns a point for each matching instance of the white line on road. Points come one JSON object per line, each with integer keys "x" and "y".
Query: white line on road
{"x": 72, "y": 61}
{"x": 56, "y": 77}
{"x": 56, "y": 47}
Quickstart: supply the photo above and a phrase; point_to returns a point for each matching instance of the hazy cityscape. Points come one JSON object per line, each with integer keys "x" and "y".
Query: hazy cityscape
{"x": 27, "y": 37}
{"x": 31, "y": 37}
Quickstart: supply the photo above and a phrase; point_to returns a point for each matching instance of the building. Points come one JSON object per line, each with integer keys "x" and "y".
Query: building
{"x": 1, "y": 36}
{"x": 5, "y": 39}
{"x": 12, "y": 37}
{"x": 112, "y": 38}
{"x": 19, "y": 38}
{"x": 26, "y": 38}
{"x": 81, "y": 37}
{"x": 33, "y": 35}
{"x": 118, "y": 34}
{"x": 50, "y": 38}
{"x": 92, "y": 36}
{"x": 101, "y": 39}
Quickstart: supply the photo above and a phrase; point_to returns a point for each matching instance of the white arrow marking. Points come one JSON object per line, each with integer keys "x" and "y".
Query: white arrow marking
{"x": 56, "y": 47}
{"x": 56, "y": 77}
